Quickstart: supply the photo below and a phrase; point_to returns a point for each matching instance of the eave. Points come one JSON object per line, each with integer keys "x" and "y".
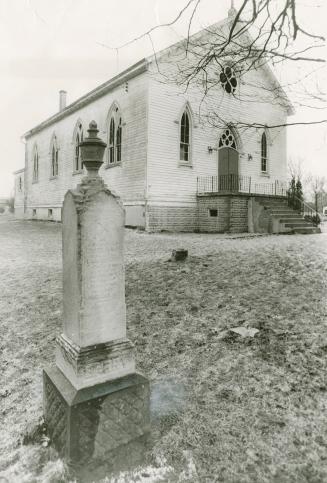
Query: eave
{"x": 91, "y": 96}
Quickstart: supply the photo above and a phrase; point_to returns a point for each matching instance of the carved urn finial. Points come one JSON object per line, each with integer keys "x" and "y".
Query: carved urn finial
{"x": 92, "y": 150}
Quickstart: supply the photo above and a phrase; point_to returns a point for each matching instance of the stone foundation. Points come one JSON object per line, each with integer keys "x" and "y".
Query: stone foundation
{"x": 51, "y": 213}
{"x": 135, "y": 214}
{"x": 234, "y": 212}
{"x": 172, "y": 218}
{"x": 223, "y": 213}
{"x": 90, "y": 424}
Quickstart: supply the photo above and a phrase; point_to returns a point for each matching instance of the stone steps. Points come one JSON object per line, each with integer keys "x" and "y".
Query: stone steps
{"x": 284, "y": 215}
{"x": 287, "y": 220}
{"x": 290, "y": 218}
{"x": 297, "y": 224}
{"x": 309, "y": 230}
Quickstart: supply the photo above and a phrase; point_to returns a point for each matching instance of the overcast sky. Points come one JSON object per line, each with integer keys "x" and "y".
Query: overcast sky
{"x": 48, "y": 45}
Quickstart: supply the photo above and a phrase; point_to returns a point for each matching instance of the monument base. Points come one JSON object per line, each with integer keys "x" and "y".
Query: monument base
{"x": 94, "y": 364}
{"x": 88, "y": 425}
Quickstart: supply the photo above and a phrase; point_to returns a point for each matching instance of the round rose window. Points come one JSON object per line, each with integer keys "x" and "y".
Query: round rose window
{"x": 228, "y": 80}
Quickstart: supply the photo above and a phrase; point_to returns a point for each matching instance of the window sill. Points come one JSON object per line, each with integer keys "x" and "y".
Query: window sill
{"x": 80, "y": 171}
{"x": 185, "y": 163}
{"x": 112, "y": 165}
{"x": 264, "y": 174}
{"x": 35, "y": 181}
{"x": 53, "y": 177}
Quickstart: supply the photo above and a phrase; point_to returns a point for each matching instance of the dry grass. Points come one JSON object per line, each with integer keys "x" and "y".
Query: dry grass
{"x": 224, "y": 408}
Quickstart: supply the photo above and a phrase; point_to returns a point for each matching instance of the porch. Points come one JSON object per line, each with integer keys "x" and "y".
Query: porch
{"x": 235, "y": 203}
{"x": 232, "y": 183}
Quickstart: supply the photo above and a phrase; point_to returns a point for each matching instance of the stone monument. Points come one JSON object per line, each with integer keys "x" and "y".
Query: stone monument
{"x": 94, "y": 400}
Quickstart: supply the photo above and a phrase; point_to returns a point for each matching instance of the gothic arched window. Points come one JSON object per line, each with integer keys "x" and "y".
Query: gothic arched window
{"x": 115, "y": 134}
{"x": 78, "y": 165}
{"x": 264, "y": 158}
{"x": 35, "y": 165}
{"x": 118, "y": 141}
{"x": 54, "y": 158}
{"x": 185, "y": 137}
{"x": 227, "y": 139}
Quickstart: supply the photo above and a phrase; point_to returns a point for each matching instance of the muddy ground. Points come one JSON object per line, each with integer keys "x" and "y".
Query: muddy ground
{"x": 224, "y": 408}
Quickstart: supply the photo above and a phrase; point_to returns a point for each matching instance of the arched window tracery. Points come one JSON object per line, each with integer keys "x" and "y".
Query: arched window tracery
{"x": 228, "y": 79}
{"x": 54, "y": 158}
{"x": 35, "y": 164}
{"x": 78, "y": 164}
{"x": 115, "y": 136}
{"x": 264, "y": 157}
{"x": 227, "y": 139}
{"x": 185, "y": 137}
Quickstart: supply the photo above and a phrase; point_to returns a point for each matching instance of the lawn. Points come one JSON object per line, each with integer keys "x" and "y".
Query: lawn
{"x": 224, "y": 408}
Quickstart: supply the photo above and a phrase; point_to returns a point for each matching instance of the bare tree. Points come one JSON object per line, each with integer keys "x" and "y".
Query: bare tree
{"x": 257, "y": 34}
{"x": 318, "y": 186}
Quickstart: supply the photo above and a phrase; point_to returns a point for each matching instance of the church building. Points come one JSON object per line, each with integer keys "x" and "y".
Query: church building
{"x": 173, "y": 164}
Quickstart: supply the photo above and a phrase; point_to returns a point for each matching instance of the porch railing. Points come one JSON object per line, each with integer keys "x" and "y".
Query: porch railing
{"x": 239, "y": 184}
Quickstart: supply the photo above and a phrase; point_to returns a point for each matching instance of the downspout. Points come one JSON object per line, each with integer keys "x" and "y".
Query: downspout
{"x": 147, "y": 151}
{"x": 22, "y": 140}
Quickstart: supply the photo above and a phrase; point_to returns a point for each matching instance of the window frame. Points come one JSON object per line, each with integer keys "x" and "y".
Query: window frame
{"x": 225, "y": 141}
{"x": 114, "y": 137}
{"x": 264, "y": 154}
{"x": 78, "y": 138}
{"x": 181, "y": 139}
{"x": 35, "y": 176}
{"x": 226, "y": 79}
{"x": 54, "y": 158}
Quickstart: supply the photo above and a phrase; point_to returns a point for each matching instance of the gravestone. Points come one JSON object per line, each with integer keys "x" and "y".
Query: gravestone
{"x": 94, "y": 400}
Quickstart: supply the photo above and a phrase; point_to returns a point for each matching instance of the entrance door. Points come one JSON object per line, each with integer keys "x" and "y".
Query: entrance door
{"x": 228, "y": 169}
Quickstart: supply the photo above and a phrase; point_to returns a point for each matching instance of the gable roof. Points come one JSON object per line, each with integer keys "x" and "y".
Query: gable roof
{"x": 220, "y": 26}
{"x": 142, "y": 66}
{"x": 99, "y": 91}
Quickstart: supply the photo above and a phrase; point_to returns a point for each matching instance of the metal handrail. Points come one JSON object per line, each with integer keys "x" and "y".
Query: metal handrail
{"x": 306, "y": 210}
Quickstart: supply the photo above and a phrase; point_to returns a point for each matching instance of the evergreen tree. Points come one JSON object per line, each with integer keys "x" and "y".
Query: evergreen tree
{"x": 291, "y": 192}
{"x": 298, "y": 194}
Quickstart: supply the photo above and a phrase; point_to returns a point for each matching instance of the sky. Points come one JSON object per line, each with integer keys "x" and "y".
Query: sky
{"x": 48, "y": 45}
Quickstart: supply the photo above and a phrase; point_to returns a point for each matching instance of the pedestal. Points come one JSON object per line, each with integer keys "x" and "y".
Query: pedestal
{"x": 87, "y": 366}
{"x": 88, "y": 425}
{"x": 94, "y": 401}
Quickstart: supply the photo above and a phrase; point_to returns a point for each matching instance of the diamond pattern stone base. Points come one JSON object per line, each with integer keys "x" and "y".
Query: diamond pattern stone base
{"x": 91, "y": 423}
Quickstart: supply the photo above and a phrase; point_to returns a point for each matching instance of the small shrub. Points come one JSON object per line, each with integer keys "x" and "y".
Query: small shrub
{"x": 315, "y": 219}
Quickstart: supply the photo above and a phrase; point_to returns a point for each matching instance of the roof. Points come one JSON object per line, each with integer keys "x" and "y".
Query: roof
{"x": 219, "y": 26}
{"x": 137, "y": 69}
{"x": 99, "y": 91}
{"x": 19, "y": 171}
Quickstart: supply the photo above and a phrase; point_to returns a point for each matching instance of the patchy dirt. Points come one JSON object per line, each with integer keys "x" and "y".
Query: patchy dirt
{"x": 224, "y": 408}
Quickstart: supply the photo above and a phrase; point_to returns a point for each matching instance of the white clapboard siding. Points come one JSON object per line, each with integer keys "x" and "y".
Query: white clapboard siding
{"x": 127, "y": 179}
{"x": 254, "y": 102}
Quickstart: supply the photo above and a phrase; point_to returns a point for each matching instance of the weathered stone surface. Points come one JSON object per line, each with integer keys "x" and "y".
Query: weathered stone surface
{"x": 93, "y": 347}
{"x": 94, "y": 402}
{"x": 93, "y": 269}
{"x": 86, "y": 366}
{"x": 90, "y": 424}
